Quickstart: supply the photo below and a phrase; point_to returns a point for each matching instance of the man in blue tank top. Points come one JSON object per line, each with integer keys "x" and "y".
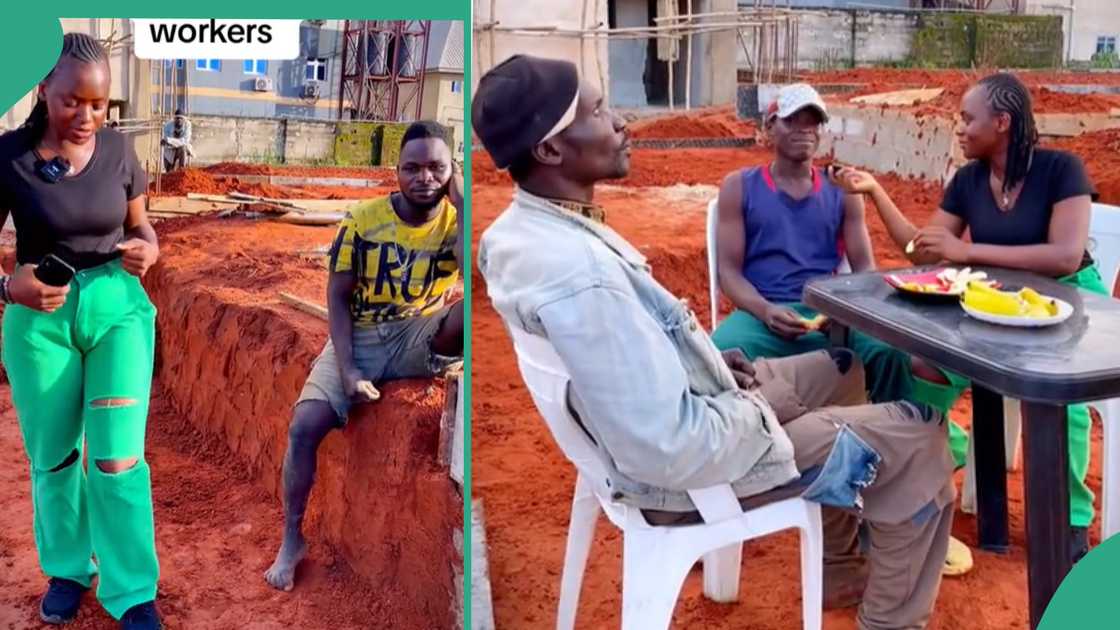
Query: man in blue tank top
{"x": 785, "y": 223}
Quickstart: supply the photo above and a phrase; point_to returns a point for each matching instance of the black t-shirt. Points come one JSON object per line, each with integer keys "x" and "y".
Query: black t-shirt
{"x": 81, "y": 218}
{"x": 1053, "y": 176}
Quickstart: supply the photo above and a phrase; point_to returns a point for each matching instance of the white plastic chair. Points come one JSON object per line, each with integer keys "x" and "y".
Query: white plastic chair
{"x": 1104, "y": 246}
{"x": 657, "y": 559}
{"x": 713, "y": 260}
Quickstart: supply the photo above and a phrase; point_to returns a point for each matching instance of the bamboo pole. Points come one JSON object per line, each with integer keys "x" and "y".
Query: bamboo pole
{"x": 688, "y": 76}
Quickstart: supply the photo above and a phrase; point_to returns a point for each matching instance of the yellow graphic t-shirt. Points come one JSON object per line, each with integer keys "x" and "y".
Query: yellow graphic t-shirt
{"x": 402, "y": 270}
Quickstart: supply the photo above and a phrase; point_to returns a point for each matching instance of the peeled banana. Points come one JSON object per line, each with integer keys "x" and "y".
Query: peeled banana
{"x": 1039, "y": 304}
{"x": 1024, "y": 303}
{"x": 996, "y": 302}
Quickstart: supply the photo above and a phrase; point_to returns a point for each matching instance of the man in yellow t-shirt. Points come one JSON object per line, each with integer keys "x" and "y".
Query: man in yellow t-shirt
{"x": 392, "y": 266}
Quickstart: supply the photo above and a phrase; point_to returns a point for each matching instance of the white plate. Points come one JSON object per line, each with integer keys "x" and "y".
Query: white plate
{"x": 1064, "y": 312}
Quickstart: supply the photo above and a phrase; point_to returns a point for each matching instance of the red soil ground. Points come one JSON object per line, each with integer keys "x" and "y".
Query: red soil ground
{"x": 955, "y": 82}
{"x": 526, "y": 484}
{"x": 222, "y": 178}
{"x": 717, "y": 122}
{"x": 230, "y": 363}
{"x": 1100, "y": 151}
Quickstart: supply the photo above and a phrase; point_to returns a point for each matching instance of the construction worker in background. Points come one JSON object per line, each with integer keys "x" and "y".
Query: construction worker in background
{"x": 176, "y": 142}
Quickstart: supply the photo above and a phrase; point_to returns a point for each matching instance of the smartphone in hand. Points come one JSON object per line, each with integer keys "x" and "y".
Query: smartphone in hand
{"x": 54, "y": 272}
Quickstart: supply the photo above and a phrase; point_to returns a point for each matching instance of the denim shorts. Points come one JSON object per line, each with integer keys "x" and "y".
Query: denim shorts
{"x": 383, "y": 352}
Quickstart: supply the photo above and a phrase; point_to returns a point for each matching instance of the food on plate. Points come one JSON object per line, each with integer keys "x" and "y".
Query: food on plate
{"x": 949, "y": 281}
{"x": 1047, "y": 307}
{"x": 1023, "y": 303}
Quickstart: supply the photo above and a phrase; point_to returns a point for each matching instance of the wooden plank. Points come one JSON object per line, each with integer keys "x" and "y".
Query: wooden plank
{"x": 482, "y": 605}
{"x": 900, "y": 97}
{"x": 287, "y": 180}
{"x": 350, "y": 182}
{"x": 183, "y": 205}
{"x": 325, "y": 205}
{"x": 451, "y": 428}
{"x": 458, "y": 463}
{"x": 214, "y": 198}
{"x": 311, "y": 218}
{"x": 303, "y": 305}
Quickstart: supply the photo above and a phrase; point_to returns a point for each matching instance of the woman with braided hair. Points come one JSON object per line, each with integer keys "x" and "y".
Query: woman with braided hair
{"x": 79, "y": 339}
{"x": 1025, "y": 208}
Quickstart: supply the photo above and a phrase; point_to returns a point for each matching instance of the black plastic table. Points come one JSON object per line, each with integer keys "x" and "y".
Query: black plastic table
{"x": 1046, "y": 368}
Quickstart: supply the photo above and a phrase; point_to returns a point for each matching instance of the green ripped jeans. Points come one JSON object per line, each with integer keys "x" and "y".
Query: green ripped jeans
{"x": 85, "y": 371}
{"x": 890, "y": 378}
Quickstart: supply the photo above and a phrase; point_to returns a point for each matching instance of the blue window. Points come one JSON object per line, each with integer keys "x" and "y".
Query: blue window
{"x": 1106, "y": 45}
{"x": 255, "y": 66}
{"x": 316, "y": 69}
{"x": 178, "y": 63}
{"x": 456, "y": 87}
{"x": 209, "y": 65}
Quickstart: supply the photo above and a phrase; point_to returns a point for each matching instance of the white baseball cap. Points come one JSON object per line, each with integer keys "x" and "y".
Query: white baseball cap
{"x": 793, "y": 98}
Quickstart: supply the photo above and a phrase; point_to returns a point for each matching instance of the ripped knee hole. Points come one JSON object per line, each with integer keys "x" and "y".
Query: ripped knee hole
{"x": 116, "y": 466}
{"x": 111, "y": 403}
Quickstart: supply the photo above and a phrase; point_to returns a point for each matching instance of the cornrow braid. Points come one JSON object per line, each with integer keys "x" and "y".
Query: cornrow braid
{"x": 1007, "y": 94}
{"x": 76, "y": 46}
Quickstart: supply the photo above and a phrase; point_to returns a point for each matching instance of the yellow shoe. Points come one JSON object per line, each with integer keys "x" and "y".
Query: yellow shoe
{"x": 958, "y": 560}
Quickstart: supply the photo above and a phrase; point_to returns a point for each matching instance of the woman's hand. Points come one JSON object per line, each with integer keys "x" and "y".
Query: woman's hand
{"x": 138, "y": 256}
{"x": 854, "y": 182}
{"x": 936, "y": 240}
{"x": 26, "y": 290}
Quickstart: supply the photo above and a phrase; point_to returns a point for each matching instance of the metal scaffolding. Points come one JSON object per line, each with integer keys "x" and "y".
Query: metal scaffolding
{"x": 767, "y": 32}
{"x": 383, "y": 66}
{"x": 989, "y": 6}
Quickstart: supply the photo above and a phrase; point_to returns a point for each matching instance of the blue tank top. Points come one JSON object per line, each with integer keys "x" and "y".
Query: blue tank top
{"x": 789, "y": 242}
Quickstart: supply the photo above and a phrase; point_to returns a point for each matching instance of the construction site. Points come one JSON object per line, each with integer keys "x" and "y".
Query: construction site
{"x": 687, "y": 134}
{"x": 240, "y": 288}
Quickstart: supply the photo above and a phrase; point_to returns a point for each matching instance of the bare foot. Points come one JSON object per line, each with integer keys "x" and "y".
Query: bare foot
{"x": 281, "y": 574}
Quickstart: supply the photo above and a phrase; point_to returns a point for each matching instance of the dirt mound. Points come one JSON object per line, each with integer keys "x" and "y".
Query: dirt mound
{"x": 188, "y": 180}
{"x": 380, "y": 500}
{"x": 956, "y": 82}
{"x": 185, "y": 181}
{"x": 387, "y": 175}
{"x": 1100, "y": 151}
{"x": 717, "y": 123}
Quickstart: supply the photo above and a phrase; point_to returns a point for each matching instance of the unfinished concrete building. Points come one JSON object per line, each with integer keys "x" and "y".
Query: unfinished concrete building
{"x": 642, "y": 53}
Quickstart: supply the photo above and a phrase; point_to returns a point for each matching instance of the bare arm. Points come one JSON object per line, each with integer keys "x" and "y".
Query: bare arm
{"x": 731, "y": 245}
{"x": 455, "y": 195}
{"x": 1060, "y": 255}
{"x": 857, "y": 240}
{"x": 340, "y": 286}
{"x": 140, "y": 249}
{"x": 136, "y": 224}
{"x": 900, "y": 229}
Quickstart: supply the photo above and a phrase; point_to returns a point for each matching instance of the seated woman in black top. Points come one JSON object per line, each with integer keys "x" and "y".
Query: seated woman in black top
{"x": 78, "y": 343}
{"x": 1025, "y": 208}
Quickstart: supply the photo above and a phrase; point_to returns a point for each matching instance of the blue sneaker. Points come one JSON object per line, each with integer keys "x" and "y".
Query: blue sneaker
{"x": 60, "y": 603}
{"x": 141, "y": 617}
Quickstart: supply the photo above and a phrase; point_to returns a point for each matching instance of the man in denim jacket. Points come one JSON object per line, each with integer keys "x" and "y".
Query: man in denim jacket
{"x": 666, "y": 411}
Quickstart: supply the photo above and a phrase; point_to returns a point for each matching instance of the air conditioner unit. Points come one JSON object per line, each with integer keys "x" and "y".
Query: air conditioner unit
{"x": 312, "y": 89}
{"x": 262, "y": 84}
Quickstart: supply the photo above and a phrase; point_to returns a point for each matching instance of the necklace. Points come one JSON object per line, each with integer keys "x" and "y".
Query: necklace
{"x": 587, "y": 210}
{"x": 1005, "y": 200}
